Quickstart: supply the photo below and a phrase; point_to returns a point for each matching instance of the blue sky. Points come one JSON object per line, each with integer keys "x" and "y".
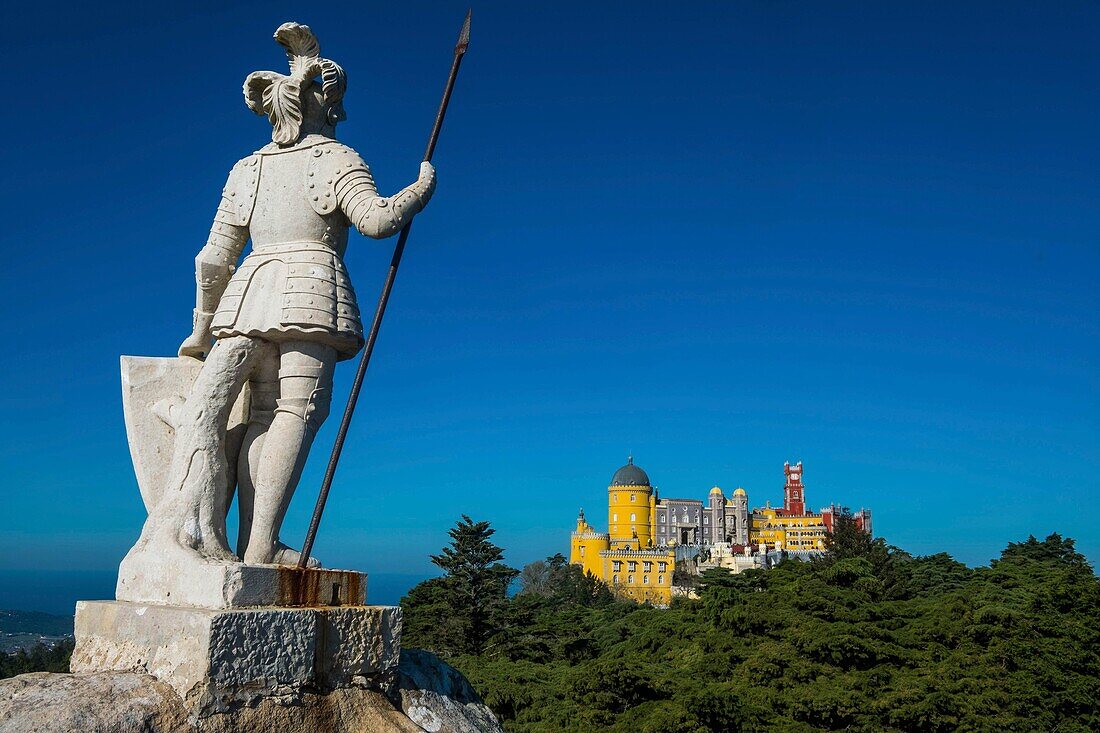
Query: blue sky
{"x": 716, "y": 236}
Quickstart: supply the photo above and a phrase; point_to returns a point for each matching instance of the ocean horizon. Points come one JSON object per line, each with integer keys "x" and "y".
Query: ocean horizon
{"x": 57, "y": 591}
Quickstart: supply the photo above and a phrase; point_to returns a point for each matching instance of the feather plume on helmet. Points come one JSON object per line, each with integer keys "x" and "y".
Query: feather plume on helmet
{"x": 279, "y": 97}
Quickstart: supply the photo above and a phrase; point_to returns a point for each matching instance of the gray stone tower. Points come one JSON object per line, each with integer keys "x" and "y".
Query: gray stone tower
{"x": 716, "y": 532}
{"x": 737, "y": 518}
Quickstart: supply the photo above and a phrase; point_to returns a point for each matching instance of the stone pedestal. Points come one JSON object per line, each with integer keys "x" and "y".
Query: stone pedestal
{"x": 223, "y": 655}
{"x": 227, "y": 633}
{"x": 148, "y": 577}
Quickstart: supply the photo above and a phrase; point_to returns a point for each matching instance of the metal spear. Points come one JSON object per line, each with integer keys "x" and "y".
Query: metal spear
{"x": 383, "y": 300}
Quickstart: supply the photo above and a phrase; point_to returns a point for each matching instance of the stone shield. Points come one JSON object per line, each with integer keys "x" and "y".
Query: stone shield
{"x": 145, "y": 381}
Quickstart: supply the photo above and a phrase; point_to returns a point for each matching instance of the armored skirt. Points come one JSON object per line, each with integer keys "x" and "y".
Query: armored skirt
{"x": 297, "y": 291}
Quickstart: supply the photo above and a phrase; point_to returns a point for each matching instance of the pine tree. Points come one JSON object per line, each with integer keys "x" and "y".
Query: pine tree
{"x": 476, "y": 582}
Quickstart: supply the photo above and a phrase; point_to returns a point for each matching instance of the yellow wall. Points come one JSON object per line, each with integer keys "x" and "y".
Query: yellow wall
{"x": 787, "y": 533}
{"x": 641, "y": 575}
{"x": 585, "y": 547}
{"x": 630, "y": 510}
{"x": 644, "y": 575}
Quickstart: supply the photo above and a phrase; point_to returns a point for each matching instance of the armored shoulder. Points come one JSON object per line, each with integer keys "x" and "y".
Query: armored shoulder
{"x": 328, "y": 163}
{"x": 239, "y": 194}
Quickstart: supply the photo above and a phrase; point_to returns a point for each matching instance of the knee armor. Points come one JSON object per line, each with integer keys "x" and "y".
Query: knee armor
{"x": 311, "y": 410}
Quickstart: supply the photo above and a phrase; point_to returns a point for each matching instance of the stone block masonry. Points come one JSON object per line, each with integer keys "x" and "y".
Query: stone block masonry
{"x": 220, "y": 656}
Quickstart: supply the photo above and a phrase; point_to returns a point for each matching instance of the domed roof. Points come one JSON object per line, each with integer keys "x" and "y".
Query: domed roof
{"x": 716, "y": 491}
{"x": 739, "y": 492}
{"x": 630, "y": 475}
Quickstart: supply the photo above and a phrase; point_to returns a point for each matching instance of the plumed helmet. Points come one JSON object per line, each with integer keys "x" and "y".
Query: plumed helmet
{"x": 279, "y": 97}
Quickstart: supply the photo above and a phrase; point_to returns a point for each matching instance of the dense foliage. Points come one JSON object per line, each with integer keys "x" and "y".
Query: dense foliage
{"x": 457, "y": 612}
{"x": 866, "y": 639}
{"x": 39, "y": 658}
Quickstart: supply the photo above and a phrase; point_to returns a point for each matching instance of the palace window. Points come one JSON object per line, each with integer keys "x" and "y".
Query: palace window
{"x": 662, "y": 566}
{"x": 617, "y": 565}
{"x": 645, "y": 579}
{"x": 647, "y": 566}
{"x": 633, "y": 497}
{"x": 582, "y": 550}
{"x": 630, "y": 579}
{"x": 660, "y": 580}
{"x": 615, "y": 579}
{"x": 632, "y": 565}
{"x": 614, "y": 517}
{"x": 633, "y": 517}
{"x": 706, "y": 519}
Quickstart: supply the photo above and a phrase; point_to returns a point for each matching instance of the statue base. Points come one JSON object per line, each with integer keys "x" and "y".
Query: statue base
{"x": 215, "y": 658}
{"x": 173, "y": 576}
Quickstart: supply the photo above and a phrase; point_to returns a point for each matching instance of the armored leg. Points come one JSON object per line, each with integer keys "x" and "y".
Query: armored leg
{"x": 264, "y": 389}
{"x": 305, "y": 391}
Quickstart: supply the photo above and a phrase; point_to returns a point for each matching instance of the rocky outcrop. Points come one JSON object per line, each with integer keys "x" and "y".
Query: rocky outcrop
{"x": 428, "y": 695}
{"x": 438, "y": 698}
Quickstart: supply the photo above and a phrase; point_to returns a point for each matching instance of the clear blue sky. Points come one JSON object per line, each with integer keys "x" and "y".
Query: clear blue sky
{"x": 718, "y": 236}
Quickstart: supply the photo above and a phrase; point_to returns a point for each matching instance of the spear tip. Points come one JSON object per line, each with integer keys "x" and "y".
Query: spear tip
{"x": 464, "y": 34}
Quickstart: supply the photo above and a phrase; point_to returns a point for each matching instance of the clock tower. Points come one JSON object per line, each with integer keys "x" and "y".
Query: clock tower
{"x": 794, "y": 497}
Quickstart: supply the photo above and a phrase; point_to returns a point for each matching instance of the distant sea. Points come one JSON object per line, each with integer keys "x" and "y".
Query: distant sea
{"x": 57, "y": 591}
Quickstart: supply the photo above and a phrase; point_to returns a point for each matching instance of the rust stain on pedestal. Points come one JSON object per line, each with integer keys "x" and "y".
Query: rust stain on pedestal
{"x": 312, "y": 587}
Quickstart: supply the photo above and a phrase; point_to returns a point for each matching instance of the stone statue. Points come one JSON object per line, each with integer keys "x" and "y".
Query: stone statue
{"x": 236, "y": 411}
{"x": 270, "y": 330}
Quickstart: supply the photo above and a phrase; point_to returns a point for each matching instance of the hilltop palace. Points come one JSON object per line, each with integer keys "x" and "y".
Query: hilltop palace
{"x": 650, "y": 538}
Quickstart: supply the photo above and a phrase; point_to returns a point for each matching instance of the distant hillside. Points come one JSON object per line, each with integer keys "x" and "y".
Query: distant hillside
{"x": 35, "y": 622}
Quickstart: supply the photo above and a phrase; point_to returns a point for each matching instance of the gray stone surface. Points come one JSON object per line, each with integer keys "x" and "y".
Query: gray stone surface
{"x": 128, "y": 702}
{"x": 232, "y": 655}
{"x": 438, "y": 698}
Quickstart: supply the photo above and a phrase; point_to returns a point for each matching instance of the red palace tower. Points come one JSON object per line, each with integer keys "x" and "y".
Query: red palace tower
{"x": 794, "y": 496}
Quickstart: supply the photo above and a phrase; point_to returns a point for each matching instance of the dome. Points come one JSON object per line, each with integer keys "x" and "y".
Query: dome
{"x": 630, "y": 475}
{"x": 716, "y": 491}
{"x": 739, "y": 492}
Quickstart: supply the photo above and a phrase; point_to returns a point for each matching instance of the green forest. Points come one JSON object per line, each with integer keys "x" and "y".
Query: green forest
{"x": 39, "y": 658}
{"x": 866, "y": 638}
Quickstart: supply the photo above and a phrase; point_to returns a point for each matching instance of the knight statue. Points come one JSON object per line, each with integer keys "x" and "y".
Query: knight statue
{"x": 273, "y": 326}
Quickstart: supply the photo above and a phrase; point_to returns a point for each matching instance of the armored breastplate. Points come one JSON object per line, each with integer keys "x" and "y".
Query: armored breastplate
{"x": 293, "y": 285}
{"x": 284, "y": 211}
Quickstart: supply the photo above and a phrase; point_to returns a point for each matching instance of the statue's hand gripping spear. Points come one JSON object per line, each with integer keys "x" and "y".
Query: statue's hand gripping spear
{"x": 387, "y": 286}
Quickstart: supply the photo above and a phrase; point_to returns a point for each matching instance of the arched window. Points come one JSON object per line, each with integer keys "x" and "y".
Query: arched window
{"x": 633, "y": 517}
{"x": 633, "y": 496}
{"x": 660, "y": 580}
{"x": 614, "y": 517}
{"x": 645, "y": 579}
{"x": 630, "y": 579}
